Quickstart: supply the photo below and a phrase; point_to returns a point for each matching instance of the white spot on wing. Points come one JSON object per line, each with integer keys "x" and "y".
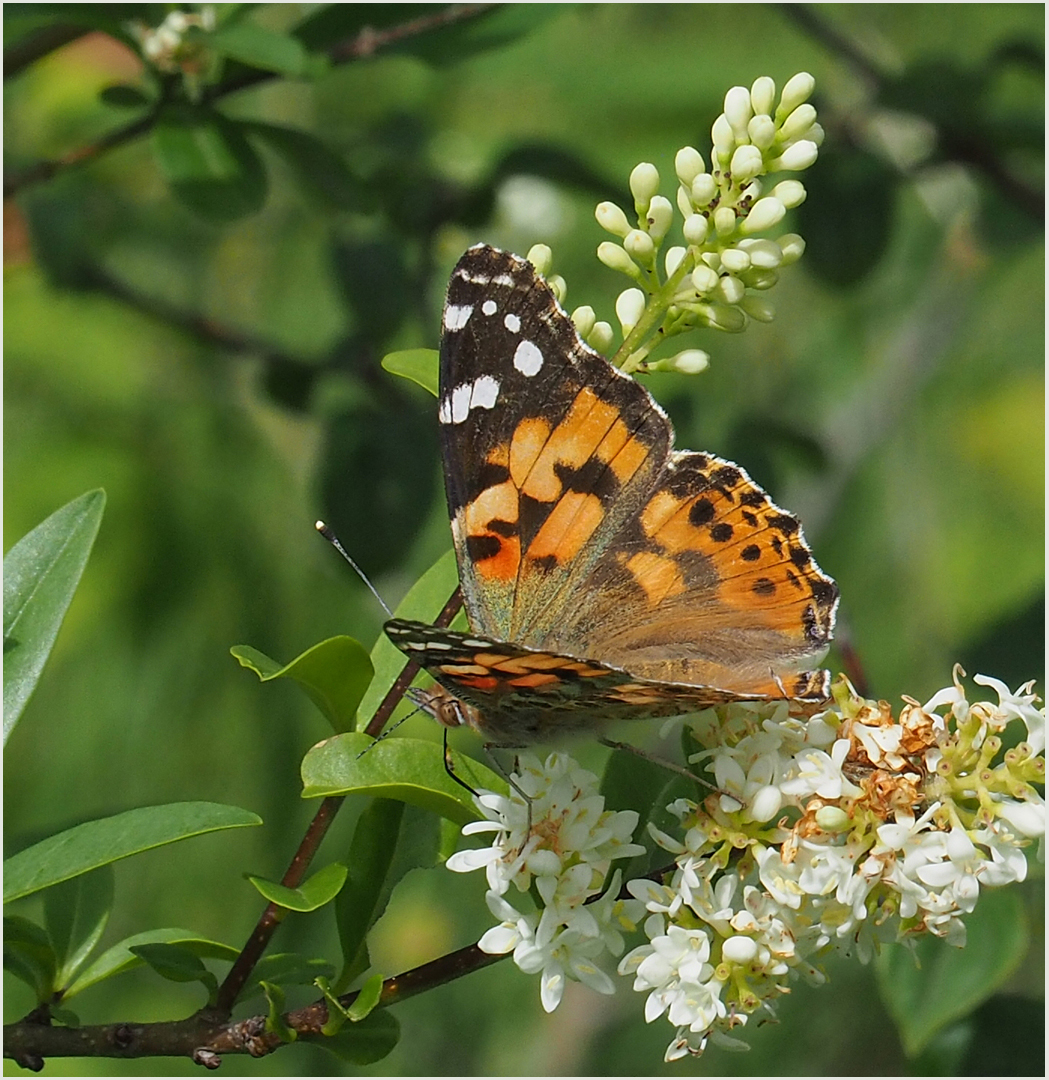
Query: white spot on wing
{"x": 455, "y": 316}
{"x": 528, "y": 359}
{"x": 485, "y": 392}
{"x": 512, "y": 323}
{"x": 439, "y": 645}
{"x": 461, "y": 402}
{"x": 474, "y": 279}
{"x": 504, "y": 279}
{"x": 489, "y": 307}
{"x": 474, "y": 643}
{"x": 444, "y": 413}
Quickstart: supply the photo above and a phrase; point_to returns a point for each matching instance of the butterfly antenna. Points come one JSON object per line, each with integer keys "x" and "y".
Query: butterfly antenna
{"x": 334, "y": 541}
{"x": 392, "y": 728}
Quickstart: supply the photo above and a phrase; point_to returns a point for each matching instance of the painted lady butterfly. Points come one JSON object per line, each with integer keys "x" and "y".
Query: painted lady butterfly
{"x": 605, "y": 575}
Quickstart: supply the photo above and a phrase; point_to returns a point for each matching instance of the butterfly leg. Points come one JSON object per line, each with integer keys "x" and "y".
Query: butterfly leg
{"x": 449, "y": 768}
{"x": 663, "y": 763}
{"x": 489, "y": 749}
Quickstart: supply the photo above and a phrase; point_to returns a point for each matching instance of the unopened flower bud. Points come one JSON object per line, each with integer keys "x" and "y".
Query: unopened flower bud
{"x": 755, "y": 278}
{"x": 544, "y": 862}
{"x": 765, "y": 254}
{"x": 630, "y": 306}
{"x": 695, "y": 228}
{"x": 684, "y": 201}
{"x": 704, "y": 188}
{"x": 766, "y": 803}
{"x": 612, "y": 219}
{"x": 739, "y": 949}
{"x": 762, "y": 131}
{"x": 584, "y": 319}
{"x": 601, "y": 337}
{"x": 797, "y": 156}
{"x": 817, "y": 134}
{"x": 722, "y": 137}
{"x": 792, "y": 246}
{"x": 660, "y": 216}
{"x": 558, "y": 286}
{"x": 690, "y": 362}
{"x": 757, "y": 307}
{"x": 672, "y": 259}
{"x": 640, "y": 246}
{"x": 730, "y": 289}
{"x": 832, "y": 819}
{"x": 725, "y": 317}
{"x": 541, "y": 257}
{"x": 735, "y": 260}
{"x": 738, "y": 111}
{"x": 724, "y": 220}
{"x": 790, "y": 192}
{"x": 615, "y": 258}
{"x": 688, "y": 164}
{"x": 752, "y": 191}
{"x": 764, "y": 214}
{"x": 644, "y": 183}
{"x": 746, "y": 163}
{"x": 798, "y": 89}
{"x": 704, "y": 279}
{"x": 798, "y": 123}
{"x": 763, "y": 95}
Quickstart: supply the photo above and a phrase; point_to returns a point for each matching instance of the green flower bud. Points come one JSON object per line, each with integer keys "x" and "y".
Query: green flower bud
{"x": 798, "y": 89}
{"x": 764, "y": 214}
{"x": 725, "y": 220}
{"x": 704, "y": 279}
{"x": 790, "y": 192}
{"x": 833, "y": 819}
{"x": 640, "y": 246}
{"x": 730, "y": 289}
{"x": 541, "y": 257}
{"x": 792, "y": 246}
{"x": 797, "y": 156}
{"x": 762, "y": 131}
{"x": 612, "y": 219}
{"x": 712, "y": 259}
{"x": 672, "y": 259}
{"x": 756, "y": 278}
{"x": 816, "y": 134}
{"x": 558, "y": 286}
{"x": 695, "y": 228}
{"x": 765, "y": 254}
{"x": 738, "y": 111}
{"x": 704, "y": 188}
{"x": 615, "y": 258}
{"x": 688, "y": 164}
{"x": 798, "y": 123}
{"x": 724, "y": 317}
{"x": 684, "y": 201}
{"x": 722, "y": 137}
{"x": 630, "y": 306}
{"x": 601, "y": 337}
{"x": 763, "y": 95}
{"x": 660, "y": 216}
{"x": 644, "y": 183}
{"x": 735, "y": 260}
{"x": 758, "y": 308}
{"x": 584, "y": 319}
{"x": 746, "y": 163}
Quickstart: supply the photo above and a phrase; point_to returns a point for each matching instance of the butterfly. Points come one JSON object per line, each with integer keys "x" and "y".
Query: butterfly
{"x": 604, "y": 574}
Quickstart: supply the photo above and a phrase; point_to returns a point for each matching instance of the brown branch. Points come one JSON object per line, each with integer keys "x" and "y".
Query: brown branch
{"x": 266, "y": 927}
{"x": 363, "y": 44}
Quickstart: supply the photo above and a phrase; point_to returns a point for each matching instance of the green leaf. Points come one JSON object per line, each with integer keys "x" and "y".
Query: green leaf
{"x": 630, "y": 782}
{"x": 286, "y": 969}
{"x": 28, "y": 956}
{"x": 75, "y": 914}
{"x": 334, "y": 674}
{"x": 314, "y": 892}
{"x": 124, "y": 97}
{"x": 419, "y": 365}
{"x": 208, "y": 163}
{"x": 367, "y": 998}
{"x": 177, "y": 964}
{"x": 258, "y": 47}
{"x": 366, "y": 1042}
{"x": 96, "y": 843}
{"x": 951, "y": 982}
{"x": 409, "y": 770}
{"x": 119, "y": 958}
{"x": 66, "y": 1017}
{"x": 275, "y": 1018}
{"x": 424, "y": 602}
{"x": 41, "y": 573}
{"x": 317, "y": 168}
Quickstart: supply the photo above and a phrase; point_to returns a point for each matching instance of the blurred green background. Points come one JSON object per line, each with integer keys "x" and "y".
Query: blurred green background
{"x": 219, "y": 377}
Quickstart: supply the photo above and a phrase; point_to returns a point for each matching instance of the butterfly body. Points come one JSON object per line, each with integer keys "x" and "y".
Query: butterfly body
{"x": 605, "y": 575}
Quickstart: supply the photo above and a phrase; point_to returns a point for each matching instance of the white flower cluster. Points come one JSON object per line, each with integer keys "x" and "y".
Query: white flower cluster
{"x": 165, "y": 46}
{"x": 837, "y": 831}
{"x": 563, "y": 843}
{"x": 714, "y": 278}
